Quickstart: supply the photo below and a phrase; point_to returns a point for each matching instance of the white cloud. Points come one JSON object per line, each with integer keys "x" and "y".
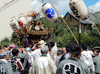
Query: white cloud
{"x": 36, "y": 5}
{"x": 95, "y": 7}
{"x": 62, "y": 15}
{"x": 61, "y": 5}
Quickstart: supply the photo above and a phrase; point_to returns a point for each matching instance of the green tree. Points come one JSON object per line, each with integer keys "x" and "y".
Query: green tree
{"x": 5, "y": 41}
{"x": 61, "y": 35}
{"x": 14, "y": 39}
{"x": 94, "y": 34}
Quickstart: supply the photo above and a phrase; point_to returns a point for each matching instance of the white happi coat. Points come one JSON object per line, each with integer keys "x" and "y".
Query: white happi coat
{"x": 87, "y": 58}
{"x": 30, "y": 58}
{"x": 43, "y": 65}
{"x": 36, "y": 53}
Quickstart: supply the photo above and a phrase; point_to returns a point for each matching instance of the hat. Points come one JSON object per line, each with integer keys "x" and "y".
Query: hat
{"x": 4, "y": 54}
{"x": 34, "y": 47}
{"x": 90, "y": 48}
{"x": 41, "y": 43}
{"x": 12, "y": 46}
{"x": 96, "y": 48}
{"x": 28, "y": 49}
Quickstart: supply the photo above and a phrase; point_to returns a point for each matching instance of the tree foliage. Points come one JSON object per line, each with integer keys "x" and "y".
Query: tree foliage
{"x": 61, "y": 35}
{"x": 5, "y": 41}
{"x": 14, "y": 39}
{"x": 94, "y": 34}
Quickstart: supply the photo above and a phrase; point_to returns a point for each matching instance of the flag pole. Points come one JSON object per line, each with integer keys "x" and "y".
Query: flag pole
{"x": 65, "y": 22}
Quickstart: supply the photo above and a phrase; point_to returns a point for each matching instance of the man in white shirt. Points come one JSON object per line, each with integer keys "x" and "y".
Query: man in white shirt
{"x": 43, "y": 64}
{"x": 30, "y": 58}
{"x": 37, "y": 52}
{"x": 89, "y": 50}
{"x": 87, "y": 58}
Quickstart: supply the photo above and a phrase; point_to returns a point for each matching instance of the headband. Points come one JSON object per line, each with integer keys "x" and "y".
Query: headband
{"x": 3, "y": 55}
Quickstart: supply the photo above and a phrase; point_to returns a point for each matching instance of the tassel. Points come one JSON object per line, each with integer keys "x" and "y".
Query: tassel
{"x": 26, "y": 42}
{"x": 48, "y": 43}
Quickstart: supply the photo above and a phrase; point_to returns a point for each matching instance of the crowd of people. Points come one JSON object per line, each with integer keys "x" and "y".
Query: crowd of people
{"x": 72, "y": 59}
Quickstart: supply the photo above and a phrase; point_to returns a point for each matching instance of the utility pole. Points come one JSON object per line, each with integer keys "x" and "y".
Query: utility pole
{"x": 79, "y": 31}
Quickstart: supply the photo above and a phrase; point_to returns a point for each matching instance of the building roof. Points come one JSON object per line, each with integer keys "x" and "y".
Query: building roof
{"x": 95, "y": 16}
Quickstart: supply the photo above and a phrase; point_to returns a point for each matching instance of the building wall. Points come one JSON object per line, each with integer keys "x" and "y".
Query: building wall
{"x": 21, "y": 6}
{"x": 74, "y": 23}
{"x": 71, "y": 21}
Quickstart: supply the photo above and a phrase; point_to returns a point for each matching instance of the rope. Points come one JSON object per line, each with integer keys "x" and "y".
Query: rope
{"x": 65, "y": 22}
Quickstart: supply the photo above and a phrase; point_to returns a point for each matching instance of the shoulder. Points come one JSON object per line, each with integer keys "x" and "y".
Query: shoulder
{"x": 37, "y": 59}
{"x": 18, "y": 59}
{"x": 71, "y": 61}
{"x": 84, "y": 67}
{"x": 29, "y": 53}
{"x": 8, "y": 66}
{"x": 38, "y": 49}
{"x": 12, "y": 59}
{"x": 33, "y": 52}
{"x": 22, "y": 55}
{"x": 45, "y": 59}
{"x": 49, "y": 59}
{"x": 67, "y": 65}
{"x": 96, "y": 58}
{"x": 84, "y": 52}
{"x": 83, "y": 63}
{"x": 64, "y": 62}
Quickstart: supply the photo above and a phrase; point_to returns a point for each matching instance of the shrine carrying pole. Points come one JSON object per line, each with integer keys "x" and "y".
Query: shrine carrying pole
{"x": 65, "y": 23}
{"x": 94, "y": 23}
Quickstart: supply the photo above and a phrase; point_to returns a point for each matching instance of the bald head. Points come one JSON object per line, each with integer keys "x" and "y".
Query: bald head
{"x": 64, "y": 50}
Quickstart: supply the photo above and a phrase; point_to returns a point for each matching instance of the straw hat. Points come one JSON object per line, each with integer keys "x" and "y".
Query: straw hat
{"x": 28, "y": 49}
{"x": 96, "y": 48}
{"x": 41, "y": 43}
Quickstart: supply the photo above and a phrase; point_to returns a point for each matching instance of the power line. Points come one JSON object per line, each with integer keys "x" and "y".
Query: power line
{"x": 8, "y": 4}
{"x": 2, "y": 2}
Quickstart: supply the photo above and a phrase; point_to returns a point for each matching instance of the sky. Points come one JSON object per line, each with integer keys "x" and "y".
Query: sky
{"x": 63, "y": 5}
